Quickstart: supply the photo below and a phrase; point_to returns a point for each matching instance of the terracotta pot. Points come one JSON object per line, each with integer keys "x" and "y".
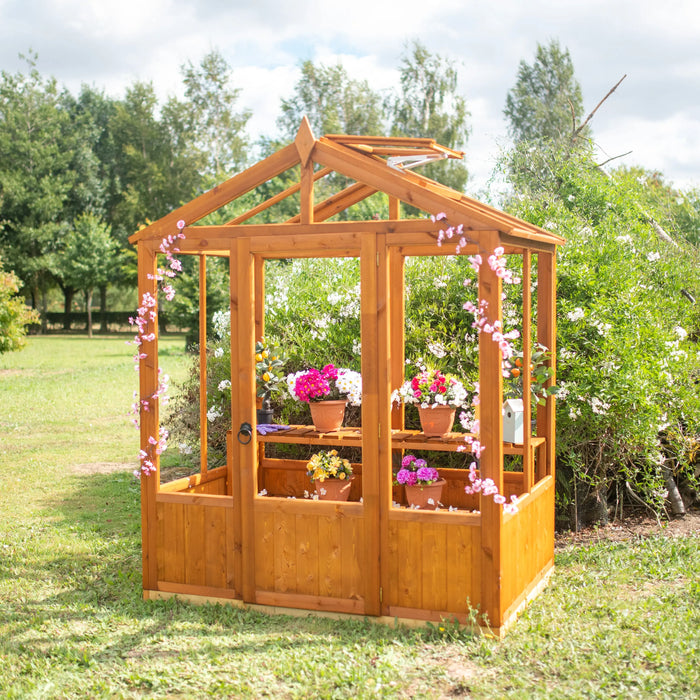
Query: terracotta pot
{"x": 334, "y": 489}
{"x": 327, "y": 415}
{"x": 421, "y": 496}
{"x": 437, "y": 421}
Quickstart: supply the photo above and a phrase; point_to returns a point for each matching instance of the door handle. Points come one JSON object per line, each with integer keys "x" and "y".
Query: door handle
{"x": 245, "y": 433}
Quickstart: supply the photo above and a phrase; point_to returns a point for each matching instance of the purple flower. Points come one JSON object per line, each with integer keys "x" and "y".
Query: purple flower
{"x": 407, "y": 460}
{"x": 426, "y": 474}
{"x": 402, "y": 476}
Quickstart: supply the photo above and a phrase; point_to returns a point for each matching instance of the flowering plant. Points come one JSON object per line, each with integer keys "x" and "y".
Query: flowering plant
{"x": 331, "y": 382}
{"x": 328, "y": 465}
{"x": 416, "y": 472}
{"x": 268, "y": 366}
{"x": 431, "y": 388}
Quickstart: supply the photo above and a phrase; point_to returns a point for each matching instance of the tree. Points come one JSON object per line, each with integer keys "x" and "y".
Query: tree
{"x": 38, "y": 152}
{"x": 14, "y": 314}
{"x": 90, "y": 258}
{"x": 546, "y": 102}
{"x": 428, "y": 105}
{"x": 156, "y": 166}
{"x": 214, "y": 126}
{"x": 333, "y": 103}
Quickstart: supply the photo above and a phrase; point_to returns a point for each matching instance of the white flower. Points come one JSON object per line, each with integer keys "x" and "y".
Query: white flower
{"x": 224, "y": 384}
{"x": 350, "y": 383}
{"x": 213, "y": 413}
{"x": 221, "y": 321}
{"x": 437, "y": 349}
{"x": 599, "y": 407}
{"x": 577, "y": 314}
{"x": 219, "y": 352}
{"x": 184, "y": 448}
{"x": 681, "y": 333}
{"x": 653, "y": 257}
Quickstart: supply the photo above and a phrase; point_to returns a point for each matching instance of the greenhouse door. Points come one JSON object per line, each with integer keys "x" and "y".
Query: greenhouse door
{"x": 299, "y": 552}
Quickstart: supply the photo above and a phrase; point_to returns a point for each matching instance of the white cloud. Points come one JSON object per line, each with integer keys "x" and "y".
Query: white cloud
{"x": 655, "y": 112}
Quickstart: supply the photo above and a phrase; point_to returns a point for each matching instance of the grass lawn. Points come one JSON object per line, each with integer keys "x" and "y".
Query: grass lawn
{"x": 619, "y": 619}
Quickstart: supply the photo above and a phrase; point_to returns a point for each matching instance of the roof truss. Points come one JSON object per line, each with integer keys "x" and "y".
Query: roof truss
{"x": 370, "y": 163}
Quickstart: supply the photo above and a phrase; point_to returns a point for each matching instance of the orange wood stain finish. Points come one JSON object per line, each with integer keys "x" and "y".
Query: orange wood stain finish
{"x": 245, "y": 532}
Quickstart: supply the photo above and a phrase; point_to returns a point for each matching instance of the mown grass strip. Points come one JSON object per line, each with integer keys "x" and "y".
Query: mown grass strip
{"x": 618, "y": 619}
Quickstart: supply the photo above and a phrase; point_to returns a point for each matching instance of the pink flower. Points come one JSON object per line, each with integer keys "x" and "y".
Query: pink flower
{"x": 180, "y": 224}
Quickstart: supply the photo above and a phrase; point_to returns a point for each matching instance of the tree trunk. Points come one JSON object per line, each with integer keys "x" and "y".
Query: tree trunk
{"x": 88, "y": 308}
{"x": 44, "y": 311}
{"x": 103, "y": 309}
{"x": 674, "y": 496}
{"x": 68, "y": 294}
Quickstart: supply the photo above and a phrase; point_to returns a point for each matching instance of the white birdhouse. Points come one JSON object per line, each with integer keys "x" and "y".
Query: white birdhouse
{"x": 513, "y": 421}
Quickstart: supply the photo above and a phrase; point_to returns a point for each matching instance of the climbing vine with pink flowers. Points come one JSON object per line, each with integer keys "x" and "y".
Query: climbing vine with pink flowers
{"x": 147, "y": 316}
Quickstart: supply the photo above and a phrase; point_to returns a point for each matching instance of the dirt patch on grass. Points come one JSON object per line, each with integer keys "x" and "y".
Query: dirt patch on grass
{"x": 102, "y": 467}
{"x": 15, "y": 373}
{"x": 631, "y": 528}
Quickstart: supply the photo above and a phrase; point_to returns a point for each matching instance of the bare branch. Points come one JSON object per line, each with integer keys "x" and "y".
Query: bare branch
{"x": 605, "y": 162}
{"x": 590, "y": 116}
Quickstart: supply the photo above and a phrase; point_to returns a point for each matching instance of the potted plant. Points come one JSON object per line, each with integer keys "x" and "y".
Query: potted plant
{"x": 540, "y": 374}
{"x": 423, "y": 483}
{"x": 331, "y": 474}
{"x": 437, "y": 397}
{"x": 327, "y": 391}
{"x": 268, "y": 377}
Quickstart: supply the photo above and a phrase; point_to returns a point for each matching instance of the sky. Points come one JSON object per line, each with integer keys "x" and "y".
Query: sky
{"x": 655, "y": 113}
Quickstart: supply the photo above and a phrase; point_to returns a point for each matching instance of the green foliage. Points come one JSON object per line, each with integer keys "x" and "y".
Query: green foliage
{"x": 546, "y": 103}
{"x": 213, "y": 126}
{"x": 38, "y": 145}
{"x": 429, "y": 106}
{"x": 14, "y": 315}
{"x": 183, "y": 310}
{"x": 90, "y": 254}
{"x": 333, "y": 102}
{"x": 627, "y": 365}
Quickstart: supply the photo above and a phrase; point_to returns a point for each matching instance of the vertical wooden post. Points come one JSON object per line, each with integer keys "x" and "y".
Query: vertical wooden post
{"x": 259, "y": 297}
{"x": 203, "y": 428}
{"x": 397, "y": 314}
{"x": 491, "y": 422}
{"x": 527, "y": 409}
{"x": 243, "y": 403}
{"x": 394, "y": 208}
{"x": 149, "y": 419}
{"x": 307, "y": 192}
{"x": 369, "y": 265}
{"x": 385, "y": 362}
{"x": 547, "y": 336}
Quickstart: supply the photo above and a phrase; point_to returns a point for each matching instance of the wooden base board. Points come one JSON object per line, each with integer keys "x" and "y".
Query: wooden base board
{"x": 511, "y": 616}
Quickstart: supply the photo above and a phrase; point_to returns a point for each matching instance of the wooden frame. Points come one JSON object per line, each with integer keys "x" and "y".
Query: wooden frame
{"x": 213, "y": 536}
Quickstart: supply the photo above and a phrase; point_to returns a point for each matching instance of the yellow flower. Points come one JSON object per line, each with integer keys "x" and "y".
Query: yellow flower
{"x": 266, "y": 377}
{"x": 258, "y": 358}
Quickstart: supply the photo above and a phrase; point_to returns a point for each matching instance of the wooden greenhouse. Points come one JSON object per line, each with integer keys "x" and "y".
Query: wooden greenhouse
{"x": 243, "y": 532}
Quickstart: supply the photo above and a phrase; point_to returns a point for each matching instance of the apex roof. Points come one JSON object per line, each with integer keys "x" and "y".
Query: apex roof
{"x": 372, "y": 164}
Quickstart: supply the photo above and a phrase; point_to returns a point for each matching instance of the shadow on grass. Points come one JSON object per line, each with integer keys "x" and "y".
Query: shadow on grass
{"x": 91, "y": 594}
